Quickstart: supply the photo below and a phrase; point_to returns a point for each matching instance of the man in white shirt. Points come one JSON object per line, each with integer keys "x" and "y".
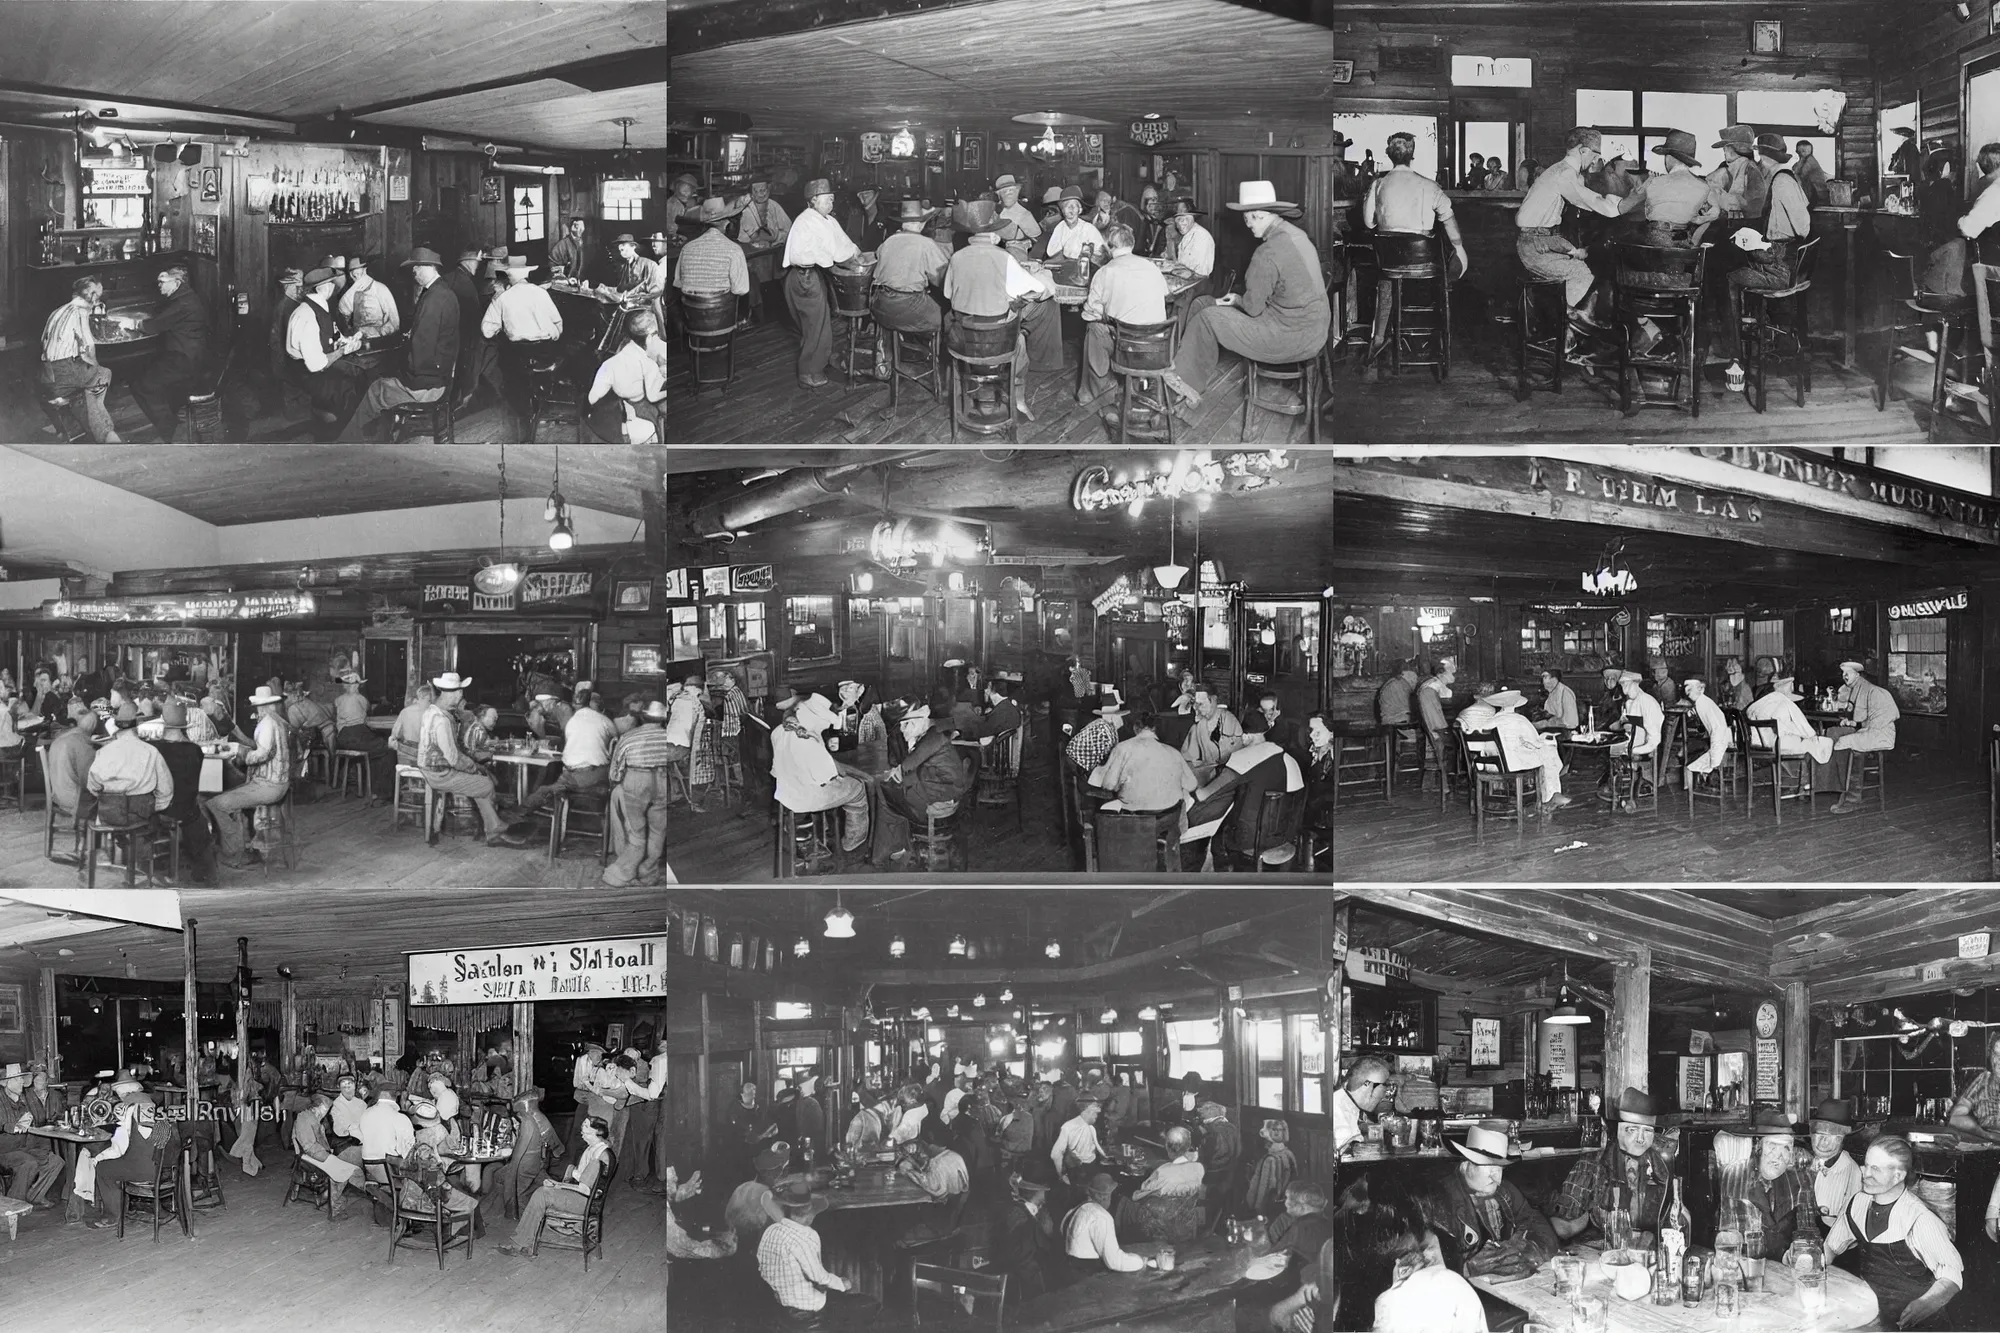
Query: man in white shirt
{"x": 1128, "y": 290}
{"x": 313, "y": 340}
{"x": 1713, "y": 721}
{"x": 1090, "y": 1235}
{"x": 385, "y": 1132}
{"x": 1404, "y": 202}
{"x": 1836, "y": 1176}
{"x": 1795, "y": 734}
{"x": 1875, "y": 714}
{"x": 527, "y": 315}
{"x": 1068, "y": 237}
{"x": 1544, "y": 253}
{"x": 643, "y": 1141}
{"x": 815, "y": 242}
{"x": 69, "y": 359}
{"x": 1189, "y": 244}
{"x": 686, "y": 711}
{"x": 1367, "y": 1083}
{"x": 1891, "y": 1226}
{"x": 1024, "y": 231}
{"x": 983, "y": 281}
{"x": 1521, "y": 746}
{"x": 629, "y": 377}
{"x": 368, "y": 307}
{"x": 586, "y": 761}
{"x": 805, "y": 776}
{"x": 1076, "y": 1146}
{"x": 1643, "y": 721}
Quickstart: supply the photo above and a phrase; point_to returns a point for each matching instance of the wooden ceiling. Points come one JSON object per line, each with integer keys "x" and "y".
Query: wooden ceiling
{"x": 350, "y": 940}
{"x": 232, "y": 484}
{"x": 1203, "y": 59}
{"x": 1275, "y": 539}
{"x": 1789, "y": 906}
{"x": 1383, "y": 543}
{"x": 543, "y": 111}
{"x": 302, "y": 59}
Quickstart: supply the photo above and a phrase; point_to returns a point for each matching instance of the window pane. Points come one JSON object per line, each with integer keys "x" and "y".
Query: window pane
{"x": 1493, "y": 72}
{"x": 1621, "y": 145}
{"x": 1127, "y": 1043}
{"x": 790, "y": 1009}
{"x": 1917, "y": 664}
{"x": 1701, "y": 114}
{"x": 1767, "y": 638}
{"x": 1195, "y": 1031}
{"x": 1776, "y": 108}
{"x": 1905, "y": 117}
{"x": 1371, "y": 135}
{"x": 1090, "y": 1045}
{"x": 1270, "y": 1039}
{"x": 1489, "y": 139}
{"x": 1603, "y": 106}
{"x": 1309, "y": 1100}
{"x": 812, "y": 625}
{"x": 1207, "y": 1063}
{"x": 750, "y": 627}
{"x": 1271, "y": 1093}
{"x": 1961, "y": 467}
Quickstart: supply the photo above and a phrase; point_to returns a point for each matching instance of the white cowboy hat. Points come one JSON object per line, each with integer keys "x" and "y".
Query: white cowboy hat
{"x": 1262, "y": 196}
{"x": 352, "y": 678}
{"x": 814, "y": 713}
{"x": 1485, "y": 1144}
{"x": 1749, "y": 238}
{"x": 451, "y": 680}
{"x": 13, "y": 1071}
{"x": 1505, "y": 699}
{"x": 265, "y": 696}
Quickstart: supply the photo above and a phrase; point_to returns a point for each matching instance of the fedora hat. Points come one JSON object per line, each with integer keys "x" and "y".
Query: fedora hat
{"x": 173, "y": 714}
{"x": 661, "y": 235}
{"x": 290, "y": 276}
{"x": 1184, "y": 203}
{"x": 1114, "y": 706}
{"x": 451, "y": 680}
{"x": 627, "y": 238}
{"x": 314, "y": 277}
{"x": 1485, "y": 1144}
{"x": 656, "y": 711}
{"x": 1736, "y": 136}
{"x": 423, "y": 255}
{"x": 1002, "y": 182}
{"x": 1638, "y": 1108}
{"x": 1680, "y": 144}
{"x": 1632, "y": 676}
{"x": 1773, "y": 147}
{"x": 775, "y": 1156}
{"x": 1858, "y": 666}
{"x": 1834, "y": 1113}
{"x": 1786, "y": 685}
{"x": 127, "y": 716}
{"x": 713, "y": 209}
{"x": 471, "y": 252}
{"x": 1505, "y": 699}
{"x": 796, "y": 1199}
{"x": 977, "y": 217}
{"x": 675, "y": 183}
{"x": 265, "y": 695}
{"x": 913, "y": 210}
{"x": 361, "y": 261}
{"x": 520, "y": 264}
{"x": 13, "y": 1070}
{"x": 817, "y": 186}
{"x": 1261, "y": 196}
{"x": 1765, "y": 1122}
{"x": 1053, "y": 194}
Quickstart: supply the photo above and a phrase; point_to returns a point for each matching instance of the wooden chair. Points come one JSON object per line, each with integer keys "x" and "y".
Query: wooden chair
{"x": 412, "y": 799}
{"x": 408, "y": 1228}
{"x": 584, "y": 807}
{"x": 925, "y": 372}
{"x": 1139, "y": 354}
{"x": 165, "y": 1196}
{"x": 727, "y": 760}
{"x": 1540, "y": 340}
{"x": 1419, "y": 331}
{"x": 954, "y": 1284}
{"x": 1275, "y": 844}
{"x": 204, "y": 1177}
{"x": 941, "y": 843}
{"x": 1446, "y": 752}
{"x": 1660, "y": 283}
{"x": 435, "y": 418}
{"x": 549, "y": 385}
{"x": 804, "y": 843}
{"x": 1491, "y": 774}
{"x": 1791, "y": 775}
{"x": 1930, "y": 313}
{"x": 1776, "y": 324}
{"x": 999, "y": 780}
{"x": 1127, "y": 840}
{"x": 204, "y": 404}
{"x": 579, "y": 1231}
{"x": 1717, "y": 785}
{"x": 75, "y": 857}
{"x": 1363, "y": 757}
{"x": 1634, "y": 780}
{"x": 132, "y": 836}
{"x": 310, "y": 1183}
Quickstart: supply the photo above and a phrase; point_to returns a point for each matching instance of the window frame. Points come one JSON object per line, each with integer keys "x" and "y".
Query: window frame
{"x": 832, "y": 621}
{"x": 538, "y": 212}
{"x": 1646, "y": 137}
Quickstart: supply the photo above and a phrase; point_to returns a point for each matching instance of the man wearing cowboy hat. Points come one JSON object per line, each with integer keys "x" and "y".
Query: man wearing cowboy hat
{"x": 447, "y": 768}
{"x": 1676, "y": 203}
{"x": 1521, "y": 744}
{"x": 1835, "y": 1175}
{"x": 681, "y": 199}
{"x": 1052, "y": 207}
{"x": 1128, "y": 290}
{"x": 1485, "y": 1224}
{"x": 32, "y": 1167}
{"x": 1737, "y": 180}
{"x": 313, "y": 339}
{"x": 1630, "y": 1163}
{"x": 863, "y": 220}
{"x": 141, "y": 1139}
{"x": 1795, "y": 734}
{"x": 1068, "y": 237}
{"x": 367, "y": 306}
{"x": 1875, "y": 714}
{"x": 642, "y": 284}
{"x": 1187, "y": 242}
{"x": 568, "y": 253}
{"x": 1021, "y": 235}
{"x": 128, "y": 777}
{"x": 1786, "y": 220}
{"x": 1095, "y": 740}
{"x": 815, "y": 242}
{"x": 268, "y": 776}
{"x": 711, "y": 262}
{"x": 805, "y": 776}
{"x": 788, "y": 1259}
{"x": 352, "y": 732}
{"x": 1283, "y": 313}
{"x": 908, "y": 266}
{"x": 1778, "y": 1191}
{"x": 931, "y": 774}
{"x": 477, "y": 361}
{"x": 983, "y": 281}
{"x": 526, "y": 314}
{"x": 1025, "y": 1237}
{"x": 1543, "y": 251}
{"x": 291, "y": 291}
{"x": 432, "y": 353}
{"x": 638, "y": 777}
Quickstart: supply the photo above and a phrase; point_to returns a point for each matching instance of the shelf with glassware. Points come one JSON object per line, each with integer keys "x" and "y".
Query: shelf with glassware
{"x": 1390, "y": 1019}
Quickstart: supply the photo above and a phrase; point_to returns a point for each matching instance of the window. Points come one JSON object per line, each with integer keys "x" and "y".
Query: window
{"x": 749, "y": 621}
{"x": 1917, "y": 664}
{"x": 684, "y": 622}
{"x": 1904, "y": 117}
{"x": 1270, "y": 1038}
{"x": 1728, "y": 636}
{"x": 1311, "y": 1042}
{"x": 812, "y": 622}
{"x": 1537, "y": 638}
{"x": 528, "y": 218}
{"x": 628, "y": 210}
{"x": 1493, "y": 140}
{"x": 1701, "y": 114}
{"x": 789, "y": 1010}
{"x": 1127, "y": 1043}
{"x": 1370, "y": 134}
{"x": 624, "y": 200}
{"x": 1492, "y": 71}
{"x": 1961, "y": 467}
{"x": 1195, "y": 1045}
{"x": 1767, "y": 639}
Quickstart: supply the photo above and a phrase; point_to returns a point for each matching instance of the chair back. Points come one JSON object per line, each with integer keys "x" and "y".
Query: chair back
{"x": 1003, "y": 757}
{"x": 1279, "y": 816}
{"x": 953, "y": 1283}
{"x": 1803, "y": 257}
{"x": 982, "y": 335}
{"x": 851, "y": 288}
{"x": 1406, "y": 254}
{"x": 1484, "y": 756}
{"x": 1221, "y": 281}
{"x": 709, "y": 312}
{"x": 1126, "y": 840}
{"x": 1661, "y": 268}
{"x": 1142, "y": 346}
{"x": 1756, "y": 728}
{"x": 1984, "y": 276}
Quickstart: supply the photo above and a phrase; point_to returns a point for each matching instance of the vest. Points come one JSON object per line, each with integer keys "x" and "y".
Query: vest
{"x": 329, "y": 332}
{"x": 979, "y": 281}
{"x": 1770, "y": 195}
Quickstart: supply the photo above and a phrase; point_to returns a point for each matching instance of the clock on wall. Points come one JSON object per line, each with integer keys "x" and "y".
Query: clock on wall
{"x": 1767, "y": 1019}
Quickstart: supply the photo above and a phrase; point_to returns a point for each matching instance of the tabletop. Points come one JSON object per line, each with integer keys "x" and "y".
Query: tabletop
{"x": 540, "y": 760}
{"x": 876, "y": 1187}
{"x": 1373, "y": 1152}
{"x": 1068, "y": 293}
{"x": 1849, "y": 1303}
{"x": 69, "y": 1135}
{"x": 1202, "y": 1272}
{"x": 477, "y": 1158}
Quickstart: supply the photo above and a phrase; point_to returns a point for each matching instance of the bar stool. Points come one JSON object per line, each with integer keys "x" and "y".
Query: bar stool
{"x": 584, "y": 806}
{"x": 351, "y": 766}
{"x": 1422, "y": 327}
{"x": 711, "y": 331}
{"x": 927, "y": 371}
{"x": 1935, "y": 313}
{"x": 549, "y": 387}
{"x": 982, "y": 355}
{"x": 728, "y": 760}
{"x": 1406, "y": 753}
{"x": 857, "y": 318}
{"x": 1363, "y": 750}
{"x": 1636, "y": 779}
{"x": 274, "y": 829}
{"x": 411, "y": 800}
{"x": 1873, "y": 775}
{"x": 204, "y": 405}
{"x": 1445, "y": 754}
{"x": 1660, "y": 283}
{"x": 65, "y": 414}
{"x": 1304, "y": 373}
{"x": 938, "y": 845}
{"x": 1139, "y": 352}
{"x": 453, "y": 814}
{"x": 1539, "y": 339}
{"x": 1769, "y": 330}
{"x": 805, "y": 838}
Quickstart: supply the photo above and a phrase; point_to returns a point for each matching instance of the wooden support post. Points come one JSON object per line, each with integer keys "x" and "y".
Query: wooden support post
{"x": 760, "y": 1071}
{"x": 524, "y": 1048}
{"x": 701, "y": 1076}
{"x": 1628, "y": 1025}
{"x": 46, "y": 1028}
{"x": 191, "y": 1009}
{"x": 1232, "y": 1054}
{"x": 1798, "y": 1042}
{"x": 288, "y": 1033}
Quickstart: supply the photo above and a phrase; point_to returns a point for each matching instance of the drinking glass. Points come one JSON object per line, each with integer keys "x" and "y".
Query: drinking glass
{"x": 1812, "y": 1290}
{"x": 1593, "y": 1315}
{"x": 1569, "y": 1275}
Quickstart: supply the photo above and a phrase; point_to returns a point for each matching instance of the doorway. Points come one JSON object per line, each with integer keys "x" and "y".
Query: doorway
{"x": 501, "y": 664}
{"x": 1281, "y": 646}
{"x": 386, "y": 667}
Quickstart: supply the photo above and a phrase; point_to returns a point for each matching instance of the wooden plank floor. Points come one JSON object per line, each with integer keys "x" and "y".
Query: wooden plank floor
{"x": 1476, "y": 406}
{"x": 765, "y": 404}
{"x": 1934, "y": 830}
{"x": 255, "y": 1264}
{"x": 347, "y": 844}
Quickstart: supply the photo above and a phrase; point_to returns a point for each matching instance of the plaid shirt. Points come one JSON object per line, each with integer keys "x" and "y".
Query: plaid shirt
{"x": 1089, "y": 748}
{"x": 711, "y": 262}
{"x": 788, "y": 1260}
{"x": 1981, "y": 1099}
{"x": 1590, "y": 1182}
{"x": 733, "y": 704}
{"x": 642, "y": 747}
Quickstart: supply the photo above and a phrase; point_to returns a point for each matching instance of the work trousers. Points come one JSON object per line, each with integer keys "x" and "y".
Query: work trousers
{"x": 33, "y": 1171}
{"x": 382, "y": 395}
{"x": 478, "y": 787}
{"x": 163, "y": 386}
{"x": 636, "y": 1161}
{"x": 805, "y": 297}
{"x": 548, "y": 1198}
{"x": 570, "y": 782}
{"x": 381, "y": 759}
{"x": 642, "y": 802}
{"x": 228, "y": 828}
{"x": 85, "y": 383}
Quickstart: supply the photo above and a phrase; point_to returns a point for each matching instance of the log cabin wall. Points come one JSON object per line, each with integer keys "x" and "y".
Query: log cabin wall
{"x": 1404, "y": 68}
{"x": 21, "y": 1035}
{"x": 1926, "y": 54}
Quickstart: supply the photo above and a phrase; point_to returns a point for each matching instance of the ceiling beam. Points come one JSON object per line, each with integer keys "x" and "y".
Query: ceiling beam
{"x": 1057, "y": 976}
{"x": 1882, "y": 946}
{"x": 711, "y": 26}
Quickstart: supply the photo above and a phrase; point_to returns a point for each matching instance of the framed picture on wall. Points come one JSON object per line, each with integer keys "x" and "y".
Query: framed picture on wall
{"x": 933, "y": 145}
{"x": 1093, "y": 150}
{"x": 204, "y": 237}
{"x": 1485, "y": 1053}
{"x": 632, "y": 596}
{"x": 1767, "y": 37}
{"x": 489, "y": 189}
{"x": 972, "y": 153}
{"x": 643, "y": 659}
{"x": 11, "y": 1017}
{"x": 1343, "y": 70}
{"x": 674, "y": 585}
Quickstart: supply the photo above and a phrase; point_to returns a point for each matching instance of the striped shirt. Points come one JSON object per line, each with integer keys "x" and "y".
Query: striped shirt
{"x": 271, "y": 761}
{"x": 66, "y": 334}
{"x": 645, "y": 747}
{"x": 788, "y": 1259}
{"x": 733, "y": 704}
{"x": 711, "y": 262}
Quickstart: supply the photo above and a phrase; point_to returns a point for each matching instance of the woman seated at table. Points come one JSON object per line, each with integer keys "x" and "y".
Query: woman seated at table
{"x": 571, "y": 1194}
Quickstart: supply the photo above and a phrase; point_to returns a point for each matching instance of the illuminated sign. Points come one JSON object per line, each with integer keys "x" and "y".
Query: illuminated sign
{"x": 1153, "y": 130}
{"x": 538, "y": 593}
{"x": 217, "y": 606}
{"x": 613, "y": 969}
{"x": 904, "y": 544}
{"x": 1947, "y": 600}
{"x": 1096, "y": 488}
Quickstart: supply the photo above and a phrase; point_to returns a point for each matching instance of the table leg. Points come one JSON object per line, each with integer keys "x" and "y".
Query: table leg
{"x": 1850, "y": 297}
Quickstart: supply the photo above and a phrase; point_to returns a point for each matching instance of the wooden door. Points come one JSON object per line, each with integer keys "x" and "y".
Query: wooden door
{"x": 726, "y": 1074}
{"x": 683, "y": 1108}
{"x": 1233, "y": 241}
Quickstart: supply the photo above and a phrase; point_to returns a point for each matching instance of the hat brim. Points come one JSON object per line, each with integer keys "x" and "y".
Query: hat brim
{"x": 1477, "y": 1157}
{"x": 1275, "y": 206}
{"x": 723, "y": 216}
{"x": 1677, "y": 156}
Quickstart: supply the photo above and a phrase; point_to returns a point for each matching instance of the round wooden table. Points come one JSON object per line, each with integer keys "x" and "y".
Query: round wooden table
{"x": 1850, "y": 1303}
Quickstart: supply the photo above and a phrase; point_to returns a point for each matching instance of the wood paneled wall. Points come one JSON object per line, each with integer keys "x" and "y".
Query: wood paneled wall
{"x": 27, "y": 1042}
{"x": 1606, "y": 47}
{"x": 1927, "y": 54}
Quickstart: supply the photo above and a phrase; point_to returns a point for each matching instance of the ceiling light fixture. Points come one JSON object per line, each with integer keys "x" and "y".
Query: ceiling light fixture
{"x": 840, "y": 921}
{"x": 1108, "y": 1016}
{"x": 951, "y": 1011}
{"x": 896, "y": 947}
{"x": 1052, "y": 949}
{"x": 801, "y": 947}
{"x": 1007, "y": 996}
{"x": 1612, "y": 577}
{"x": 957, "y": 947}
{"x": 1170, "y": 574}
{"x": 498, "y": 575}
{"x": 979, "y": 1000}
{"x": 556, "y": 511}
{"x": 1148, "y": 1014}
